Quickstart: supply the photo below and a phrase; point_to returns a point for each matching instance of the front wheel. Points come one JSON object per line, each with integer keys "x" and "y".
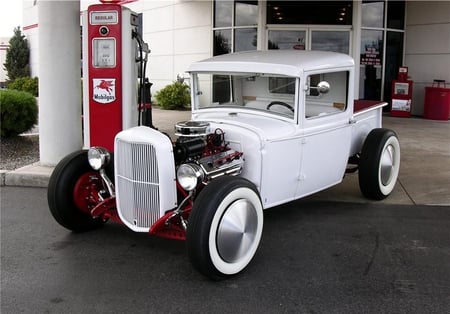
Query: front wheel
{"x": 73, "y": 191}
{"x": 379, "y": 164}
{"x": 225, "y": 227}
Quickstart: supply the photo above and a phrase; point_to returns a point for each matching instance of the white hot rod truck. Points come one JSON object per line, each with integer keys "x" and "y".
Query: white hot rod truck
{"x": 267, "y": 127}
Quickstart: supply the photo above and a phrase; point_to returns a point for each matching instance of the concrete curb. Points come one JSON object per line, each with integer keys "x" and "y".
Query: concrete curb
{"x": 34, "y": 175}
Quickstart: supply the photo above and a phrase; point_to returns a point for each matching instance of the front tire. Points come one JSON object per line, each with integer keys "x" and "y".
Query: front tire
{"x": 68, "y": 188}
{"x": 225, "y": 227}
{"x": 379, "y": 164}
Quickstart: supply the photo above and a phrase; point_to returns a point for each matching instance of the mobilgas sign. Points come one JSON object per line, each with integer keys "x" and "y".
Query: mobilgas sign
{"x": 104, "y": 90}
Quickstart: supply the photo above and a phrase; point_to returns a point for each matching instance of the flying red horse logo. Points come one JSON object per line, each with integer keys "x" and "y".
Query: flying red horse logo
{"x": 105, "y": 85}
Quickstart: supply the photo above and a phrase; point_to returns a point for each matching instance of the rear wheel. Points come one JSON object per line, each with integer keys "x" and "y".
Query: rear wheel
{"x": 225, "y": 227}
{"x": 379, "y": 164}
{"x": 73, "y": 191}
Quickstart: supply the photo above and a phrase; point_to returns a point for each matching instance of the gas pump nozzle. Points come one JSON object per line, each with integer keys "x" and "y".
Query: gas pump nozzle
{"x": 143, "y": 48}
{"x": 144, "y": 98}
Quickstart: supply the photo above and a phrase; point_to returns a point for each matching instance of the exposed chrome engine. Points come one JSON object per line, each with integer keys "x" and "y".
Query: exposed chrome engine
{"x": 203, "y": 154}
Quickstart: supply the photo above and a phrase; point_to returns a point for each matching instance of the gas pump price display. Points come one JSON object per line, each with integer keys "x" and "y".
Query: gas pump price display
{"x": 104, "y": 17}
{"x": 104, "y": 52}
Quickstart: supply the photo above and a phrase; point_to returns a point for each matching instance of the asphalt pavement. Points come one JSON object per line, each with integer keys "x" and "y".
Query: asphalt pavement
{"x": 314, "y": 257}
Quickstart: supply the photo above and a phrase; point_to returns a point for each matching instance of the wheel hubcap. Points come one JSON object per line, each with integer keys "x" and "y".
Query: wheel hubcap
{"x": 237, "y": 230}
{"x": 387, "y": 165}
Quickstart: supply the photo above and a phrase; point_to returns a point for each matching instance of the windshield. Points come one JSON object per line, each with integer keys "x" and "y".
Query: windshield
{"x": 268, "y": 93}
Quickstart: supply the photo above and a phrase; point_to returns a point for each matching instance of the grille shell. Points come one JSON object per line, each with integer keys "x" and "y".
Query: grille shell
{"x": 144, "y": 177}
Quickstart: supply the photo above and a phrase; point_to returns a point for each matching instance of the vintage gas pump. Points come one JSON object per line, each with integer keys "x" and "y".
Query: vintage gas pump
{"x": 114, "y": 58}
{"x": 401, "y": 94}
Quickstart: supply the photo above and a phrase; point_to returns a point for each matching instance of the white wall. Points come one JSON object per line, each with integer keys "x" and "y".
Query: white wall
{"x": 427, "y": 52}
{"x": 4, "y": 44}
{"x": 178, "y": 33}
{"x": 30, "y": 30}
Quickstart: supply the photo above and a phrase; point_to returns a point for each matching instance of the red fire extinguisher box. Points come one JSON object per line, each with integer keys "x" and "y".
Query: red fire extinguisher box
{"x": 401, "y": 94}
{"x": 437, "y": 101}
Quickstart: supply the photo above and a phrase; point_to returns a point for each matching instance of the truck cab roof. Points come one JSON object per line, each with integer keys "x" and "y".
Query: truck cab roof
{"x": 282, "y": 62}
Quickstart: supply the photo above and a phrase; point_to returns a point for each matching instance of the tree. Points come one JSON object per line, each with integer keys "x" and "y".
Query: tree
{"x": 17, "y": 56}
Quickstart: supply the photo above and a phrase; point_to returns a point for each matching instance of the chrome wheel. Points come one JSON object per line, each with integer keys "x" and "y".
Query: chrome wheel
{"x": 387, "y": 165}
{"x": 237, "y": 231}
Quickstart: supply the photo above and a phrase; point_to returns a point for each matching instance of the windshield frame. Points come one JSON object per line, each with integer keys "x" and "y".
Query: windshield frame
{"x": 198, "y": 78}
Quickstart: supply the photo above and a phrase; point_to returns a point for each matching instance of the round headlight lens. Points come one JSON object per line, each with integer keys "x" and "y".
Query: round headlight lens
{"x": 189, "y": 176}
{"x": 98, "y": 157}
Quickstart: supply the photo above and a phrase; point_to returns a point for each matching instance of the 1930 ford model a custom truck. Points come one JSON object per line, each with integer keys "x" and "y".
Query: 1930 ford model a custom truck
{"x": 267, "y": 127}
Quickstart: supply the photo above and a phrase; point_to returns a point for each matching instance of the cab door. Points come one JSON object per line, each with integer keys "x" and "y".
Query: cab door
{"x": 326, "y": 129}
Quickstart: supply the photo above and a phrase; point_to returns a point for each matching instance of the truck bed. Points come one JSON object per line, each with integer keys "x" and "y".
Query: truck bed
{"x": 367, "y": 115}
{"x": 361, "y": 105}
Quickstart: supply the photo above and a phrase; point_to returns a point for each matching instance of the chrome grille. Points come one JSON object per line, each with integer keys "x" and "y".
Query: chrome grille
{"x": 137, "y": 183}
{"x": 139, "y": 191}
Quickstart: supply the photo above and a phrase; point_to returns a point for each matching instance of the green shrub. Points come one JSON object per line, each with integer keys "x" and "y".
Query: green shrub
{"x": 174, "y": 96}
{"x": 18, "y": 112}
{"x": 26, "y": 84}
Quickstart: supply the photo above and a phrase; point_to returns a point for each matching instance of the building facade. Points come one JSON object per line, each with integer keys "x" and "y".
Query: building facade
{"x": 380, "y": 35}
{"x": 4, "y": 44}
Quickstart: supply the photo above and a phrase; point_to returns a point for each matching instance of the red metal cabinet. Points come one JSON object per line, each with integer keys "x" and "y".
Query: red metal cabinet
{"x": 401, "y": 94}
{"x": 437, "y": 101}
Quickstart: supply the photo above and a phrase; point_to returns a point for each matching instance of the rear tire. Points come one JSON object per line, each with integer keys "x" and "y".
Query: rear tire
{"x": 379, "y": 164}
{"x": 61, "y": 193}
{"x": 225, "y": 227}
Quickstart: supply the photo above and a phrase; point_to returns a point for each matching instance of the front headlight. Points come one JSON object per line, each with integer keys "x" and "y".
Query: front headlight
{"x": 98, "y": 157}
{"x": 189, "y": 176}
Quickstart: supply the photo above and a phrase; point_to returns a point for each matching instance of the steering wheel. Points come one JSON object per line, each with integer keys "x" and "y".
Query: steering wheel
{"x": 281, "y": 104}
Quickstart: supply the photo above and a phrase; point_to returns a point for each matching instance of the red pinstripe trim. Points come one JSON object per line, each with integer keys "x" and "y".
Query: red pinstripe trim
{"x": 25, "y": 28}
{"x": 127, "y": 1}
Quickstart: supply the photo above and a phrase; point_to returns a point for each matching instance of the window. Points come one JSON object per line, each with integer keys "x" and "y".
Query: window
{"x": 246, "y": 13}
{"x": 222, "y": 89}
{"x": 265, "y": 93}
{"x": 282, "y": 85}
{"x": 284, "y": 39}
{"x": 235, "y": 26}
{"x": 303, "y": 34}
{"x": 222, "y": 42}
{"x": 309, "y": 12}
{"x": 381, "y": 47}
{"x": 371, "y": 64}
{"x": 394, "y": 53}
{"x": 396, "y": 14}
{"x": 337, "y": 41}
{"x": 320, "y": 103}
{"x": 373, "y": 14}
{"x": 223, "y": 16}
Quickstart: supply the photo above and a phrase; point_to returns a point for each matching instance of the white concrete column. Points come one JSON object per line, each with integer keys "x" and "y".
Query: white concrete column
{"x": 59, "y": 80}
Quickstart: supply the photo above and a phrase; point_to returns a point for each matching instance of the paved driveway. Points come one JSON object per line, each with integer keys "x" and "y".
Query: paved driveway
{"x": 315, "y": 257}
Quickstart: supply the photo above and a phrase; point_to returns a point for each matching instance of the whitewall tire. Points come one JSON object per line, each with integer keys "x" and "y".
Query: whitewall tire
{"x": 379, "y": 164}
{"x": 225, "y": 227}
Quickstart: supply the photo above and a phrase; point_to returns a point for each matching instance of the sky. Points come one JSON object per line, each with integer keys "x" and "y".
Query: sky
{"x": 10, "y": 17}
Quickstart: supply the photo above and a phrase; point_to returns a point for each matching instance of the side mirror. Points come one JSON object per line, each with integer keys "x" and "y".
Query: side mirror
{"x": 181, "y": 77}
{"x": 323, "y": 87}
